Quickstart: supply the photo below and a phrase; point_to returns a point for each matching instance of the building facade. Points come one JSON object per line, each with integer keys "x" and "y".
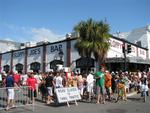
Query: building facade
{"x": 43, "y": 57}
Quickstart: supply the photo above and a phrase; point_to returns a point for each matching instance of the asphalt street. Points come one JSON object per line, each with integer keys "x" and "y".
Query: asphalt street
{"x": 134, "y": 104}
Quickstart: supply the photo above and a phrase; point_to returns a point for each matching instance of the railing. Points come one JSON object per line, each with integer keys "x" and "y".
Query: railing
{"x": 22, "y": 97}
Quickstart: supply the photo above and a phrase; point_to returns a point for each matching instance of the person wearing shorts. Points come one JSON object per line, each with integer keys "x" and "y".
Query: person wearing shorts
{"x": 49, "y": 85}
{"x": 120, "y": 88}
{"x": 90, "y": 85}
{"x": 108, "y": 84}
{"x": 10, "y": 90}
{"x": 80, "y": 82}
{"x": 100, "y": 86}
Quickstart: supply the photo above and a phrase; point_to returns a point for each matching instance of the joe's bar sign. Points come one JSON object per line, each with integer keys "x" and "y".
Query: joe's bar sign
{"x": 55, "y": 48}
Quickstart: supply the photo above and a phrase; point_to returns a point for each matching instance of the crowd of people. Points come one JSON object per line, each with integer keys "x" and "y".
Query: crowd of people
{"x": 100, "y": 85}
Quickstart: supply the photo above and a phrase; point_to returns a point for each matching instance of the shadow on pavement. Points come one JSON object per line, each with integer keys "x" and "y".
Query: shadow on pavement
{"x": 135, "y": 99}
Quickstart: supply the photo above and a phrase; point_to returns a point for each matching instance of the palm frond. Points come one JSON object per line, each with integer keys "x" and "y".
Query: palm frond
{"x": 93, "y": 38}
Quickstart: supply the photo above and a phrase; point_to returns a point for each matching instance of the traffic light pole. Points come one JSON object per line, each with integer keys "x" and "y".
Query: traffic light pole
{"x": 125, "y": 61}
{"x": 124, "y": 50}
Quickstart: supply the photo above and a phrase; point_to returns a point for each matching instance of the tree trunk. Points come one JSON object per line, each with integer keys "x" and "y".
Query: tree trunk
{"x": 98, "y": 65}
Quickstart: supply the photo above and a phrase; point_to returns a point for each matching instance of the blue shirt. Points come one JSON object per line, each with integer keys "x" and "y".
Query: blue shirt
{"x": 9, "y": 81}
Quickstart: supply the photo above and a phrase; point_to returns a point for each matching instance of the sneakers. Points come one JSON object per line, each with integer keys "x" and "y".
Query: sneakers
{"x": 97, "y": 102}
{"x": 13, "y": 106}
{"x": 52, "y": 101}
{"x": 103, "y": 102}
{"x": 7, "y": 108}
{"x": 48, "y": 102}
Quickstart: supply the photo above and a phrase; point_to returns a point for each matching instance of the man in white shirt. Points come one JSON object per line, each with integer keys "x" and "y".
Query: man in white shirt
{"x": 37, "y": 77}
{"x": 90, "y": 85}
{"x": 23, "y": 79}
{"x": 58, "y": 81}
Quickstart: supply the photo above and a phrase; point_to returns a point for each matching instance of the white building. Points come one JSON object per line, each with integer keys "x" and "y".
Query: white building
{"x": 138, "y": 36}
{"x": 43, "y": 57}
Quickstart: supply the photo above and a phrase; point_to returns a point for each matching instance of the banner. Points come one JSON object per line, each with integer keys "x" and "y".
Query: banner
{"x": 67, "y": 94}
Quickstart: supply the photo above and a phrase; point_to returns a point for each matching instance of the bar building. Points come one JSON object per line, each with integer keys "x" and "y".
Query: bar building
{"x": 41, "y": 58}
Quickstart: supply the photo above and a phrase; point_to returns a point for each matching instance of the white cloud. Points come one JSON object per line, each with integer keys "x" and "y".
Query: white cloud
{"x": 8, "y": 39}
{"x": 43, "y": 34}
{"x": 29, "y": 34}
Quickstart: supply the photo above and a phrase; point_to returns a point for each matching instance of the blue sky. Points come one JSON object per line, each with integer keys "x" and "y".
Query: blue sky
{"x": 36, "y": 20}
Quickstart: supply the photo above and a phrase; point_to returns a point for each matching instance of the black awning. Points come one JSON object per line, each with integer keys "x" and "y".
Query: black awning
{"x": 114, "y": 60}
{"x": 135, "y": 60}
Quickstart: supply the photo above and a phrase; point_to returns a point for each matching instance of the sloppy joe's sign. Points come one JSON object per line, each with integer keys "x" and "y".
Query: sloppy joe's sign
{"x": 115, "y": 43}
{"x": 18, "y": 54}
{"x": 35, "y": 51}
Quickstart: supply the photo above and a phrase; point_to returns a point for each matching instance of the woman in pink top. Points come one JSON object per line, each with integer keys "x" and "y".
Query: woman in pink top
{"x": 31, "y": 83}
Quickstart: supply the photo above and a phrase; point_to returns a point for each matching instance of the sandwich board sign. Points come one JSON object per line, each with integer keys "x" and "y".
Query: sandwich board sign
{"x": 68, "y": 94}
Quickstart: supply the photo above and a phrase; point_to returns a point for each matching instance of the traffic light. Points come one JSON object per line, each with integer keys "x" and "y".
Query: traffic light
{"x": 123, "y": 48}
{"x": 128, "y": 48}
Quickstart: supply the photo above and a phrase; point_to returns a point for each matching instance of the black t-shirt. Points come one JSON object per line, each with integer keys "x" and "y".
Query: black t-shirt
{"x": 49, "y": 81}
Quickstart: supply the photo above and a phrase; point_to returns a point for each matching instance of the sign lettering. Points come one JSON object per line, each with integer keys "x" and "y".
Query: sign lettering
{"x": 67, "y": 94}
{"x": 142, "y": 52}
{"x": 133, "y": 49}
{"x": 18, "y": 54}
{"x": 55, "y": 48}
{"x": 84, "y": 62}
{"x": 35, "y": 52}
{"x": 115, "y": 44}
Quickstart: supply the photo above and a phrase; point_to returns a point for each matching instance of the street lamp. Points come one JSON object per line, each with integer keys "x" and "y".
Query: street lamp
{"x": 60, "y": 54}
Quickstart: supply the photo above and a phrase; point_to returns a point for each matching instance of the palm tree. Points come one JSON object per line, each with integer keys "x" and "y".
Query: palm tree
{"x": 93, "y": 39}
